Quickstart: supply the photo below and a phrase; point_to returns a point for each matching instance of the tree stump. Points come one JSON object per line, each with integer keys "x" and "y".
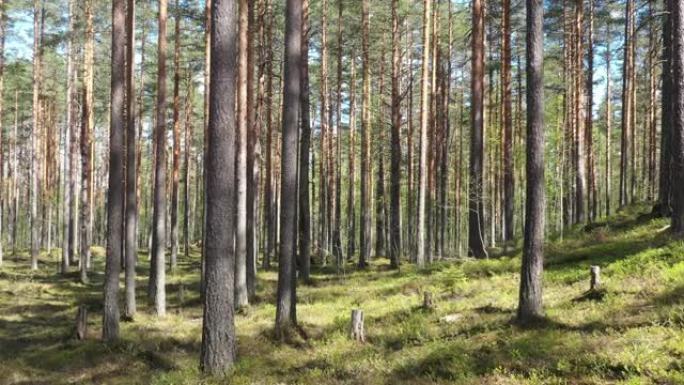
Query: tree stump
{"x": 82, "y": 323}
{"x": 427, "y": 301}
{"x": 595, "y": 278}
{"x": 357, "y": 332}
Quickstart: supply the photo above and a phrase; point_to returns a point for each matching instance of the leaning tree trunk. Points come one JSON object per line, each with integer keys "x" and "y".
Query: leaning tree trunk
{"x": 530, "y": 303}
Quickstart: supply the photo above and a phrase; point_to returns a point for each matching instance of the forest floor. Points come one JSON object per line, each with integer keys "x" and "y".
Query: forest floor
{"x": 633, "y": 333}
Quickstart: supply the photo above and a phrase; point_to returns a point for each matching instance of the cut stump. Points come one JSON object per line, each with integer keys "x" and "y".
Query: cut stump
{"x": 357, "y": 332}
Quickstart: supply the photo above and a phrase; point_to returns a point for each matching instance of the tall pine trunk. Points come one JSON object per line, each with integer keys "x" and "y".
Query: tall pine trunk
{"x": 304, "y": 149}
{"x": 131, "y": 201}
{"x": 475, "y": 196}
{"x": 286, "y": 317}
{"x": 157, "y": 279}
{"x": 395, "y": 175}
{"x": 115, "y": 194}
{"x": 218, "y": 329}
{"x": 530, "y": 305}
{"x": 365, "y": 229}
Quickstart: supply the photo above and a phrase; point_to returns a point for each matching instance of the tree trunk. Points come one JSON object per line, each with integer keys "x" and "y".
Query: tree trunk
{"x": 366, "y": 208}
{"x": 253, "y": 160}
{"x": 241, "y": 295}
{"x": 422, "y": 246}
{"x": 87, "y": 123}
{"x": 157, "y": 280}
{"x": 625, "y": 145}
{"x": 677, "y": 15}
{"x": 176, "y": 139}
{"x": 131, "y": 203}
{"x": 530, "y": 304}
{"x": 286, "y": 297}
{"x": 579, "y": 111}
{"x": 591, "y": 164}
{"x": 115, "y": 194}
{"x": 218, "y": 330}
{"x": 664, "y": 205}
{"x": 304, "y": 149}
{"x": 609, "y": 122}
{"x": 476, "y": 207}
{"x": 35, "y": 225}
{"x": 395, "y": 175}
{"x": 507, "y": 121}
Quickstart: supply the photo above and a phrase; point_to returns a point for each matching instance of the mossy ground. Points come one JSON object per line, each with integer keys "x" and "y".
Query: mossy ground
{"x": 632, "y": 334}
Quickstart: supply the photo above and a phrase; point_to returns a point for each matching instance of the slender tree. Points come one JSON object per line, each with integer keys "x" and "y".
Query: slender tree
{"x": 175, "y": 176}
{"x": 530, "y": 304}
{"x": 365, "y": 235}
{"x": 423, "y": 248}
{"x": 476, "y": 206}
{"x": 286, "y": 297}
{"x": 87, "y": 123}
{"x": 676, "y": 12}
{"x": 507, "y": 124}
{"x": 157, "y": 280}
{"x": 241, "y": 295}
{"x": 304, "y": 156}
{"x": 395, "y": 216}
{"x": 131, "y": 203}
{"x": 35, "y": 224}
{"x": 218, "y": 329}
{"x": 115, "y": 195}
{"x": 664, "y": 205}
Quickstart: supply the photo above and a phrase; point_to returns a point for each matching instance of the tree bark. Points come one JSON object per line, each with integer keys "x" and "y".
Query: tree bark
{"x": 157, "y": 280}
{"x": 664, "y": 206}
{"x": 253, "y": 160}
{"x": 676, "y": 12}
{"x": 395, "y": 215}
{"x": 304, "y": 150}
{"x": 131, "y": 203}
{"x": 115, "y": 194}
{"x": 530, "y": 303}
{"x": 35, "y": 222}
{"x": 366, "y": 209}
{"x": 218, "y": 330}
{"x": 626, "y": 140}
{"x": 422, "y": 246}
{"x": 241, "y": 295}
{"x": 476, "y": 208}
{"x": 286, "y": 297}
{"x": 507, "y": 121}
{"x": 176, "y": 138}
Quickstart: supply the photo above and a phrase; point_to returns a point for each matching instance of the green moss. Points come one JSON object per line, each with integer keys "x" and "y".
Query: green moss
{"x": 631, "y": 334}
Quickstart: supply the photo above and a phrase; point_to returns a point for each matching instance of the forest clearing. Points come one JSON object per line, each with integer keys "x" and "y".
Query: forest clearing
{"x": 630, "y": 334}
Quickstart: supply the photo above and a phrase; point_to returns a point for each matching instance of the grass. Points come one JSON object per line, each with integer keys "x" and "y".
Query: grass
{"x": 632, "y": 334}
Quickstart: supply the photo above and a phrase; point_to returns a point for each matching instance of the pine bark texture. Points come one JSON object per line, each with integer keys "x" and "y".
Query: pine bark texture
{"x": 218, "y": 330}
